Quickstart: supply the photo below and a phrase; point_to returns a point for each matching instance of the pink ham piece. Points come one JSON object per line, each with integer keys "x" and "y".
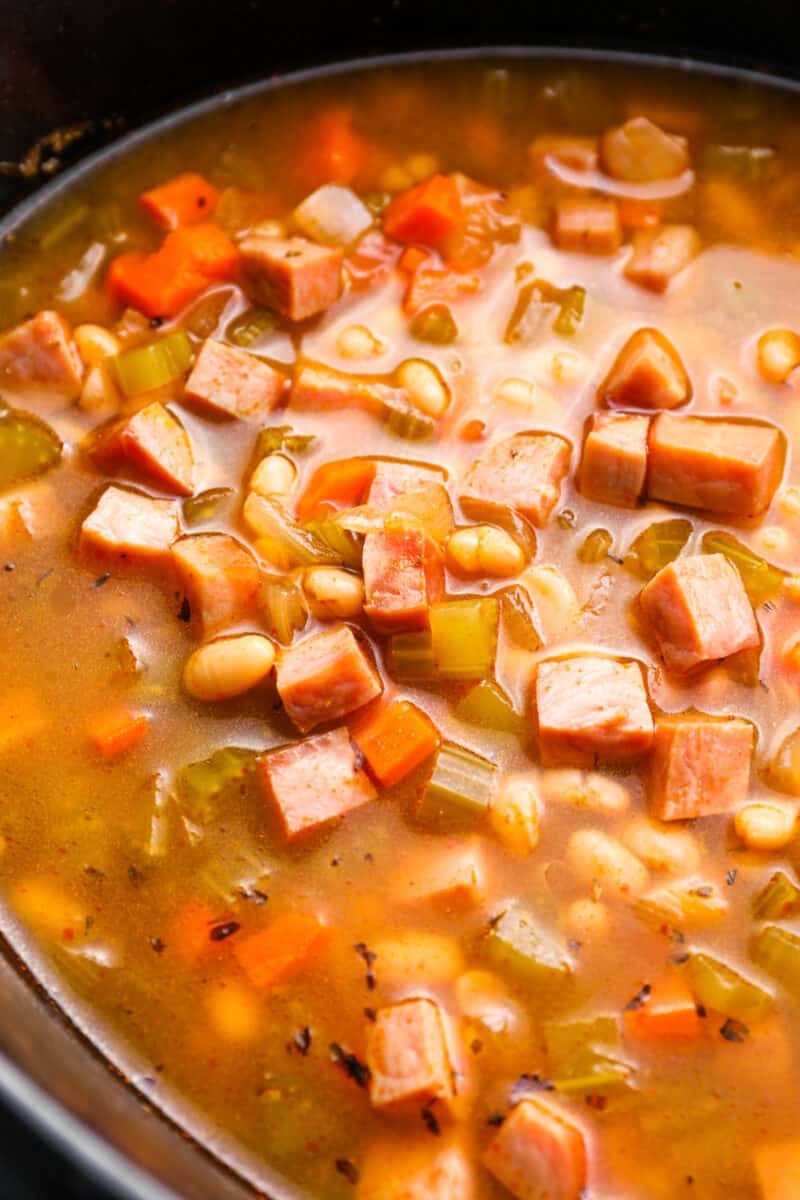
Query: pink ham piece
{"x": 587, "y": 225}
{"x": 614, "y": 463}
{"x": 730, "y": 467}
{"x": 393, "y": 479}
{"x": 660, "y": 254}
{"x": 414, "y": 1171}
{"x": 314, "y": 782}
{"x": 403, "y": 576}
{"x": 523, "y": 472}
{"x": 408, "y": 1059}
{"x": 40, "y": 353}
{"x": 233, "y": 383}
{"x": 155, "y": 442}
{"x": 293, "y": 276}
{"x": 591, "y": 709}
{"x": 700, "y": 765}
{"x": 325, "y": 677}
{"x": 131, "y": 527}
{"x": 698, "y": 612}
{"x": 538, "y": 1154}
{"x": 647, "y": 373}
{"x": 218, "y": 576}
{"x": 320, "y": 389}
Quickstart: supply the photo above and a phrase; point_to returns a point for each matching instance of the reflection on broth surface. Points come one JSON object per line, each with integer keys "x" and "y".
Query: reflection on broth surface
{"x": 399, "y": 741}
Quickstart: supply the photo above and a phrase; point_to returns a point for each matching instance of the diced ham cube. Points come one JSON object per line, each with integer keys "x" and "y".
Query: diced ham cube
{"x": 41, "y": 353}
{"x": 393, "y": 479}
{"x": 700, "y": 765}
{"x": 614, "y": 462}
{"x": 591, "y": 709}
{"x": 293, "y": 276}
{"x": 408, "y": 1059}
{"x": 314, "y": 782}
{"x": 154, "y": 441}
{"x": 588, "y": 225}
{"x": 660, "y": 254}
{"x": 647, "y": 373}
{"x": 538, "y": 1154}
{"x": 731, "y": 467}
{"x": 325, "y": 677}
{"x": 127, "y": 525}
{"x": 403, "y": 576}
{"x": 233, "y": 383}
{"x": 407, "y": 1169}
{"x": 698, "y": 611}
{"x": 522, "y": 472}
{"x": 219, "y": 577}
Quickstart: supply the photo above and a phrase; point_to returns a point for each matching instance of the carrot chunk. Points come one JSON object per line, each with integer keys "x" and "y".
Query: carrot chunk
{"x": 281, "y": 950}
{"x": 669, "y": 1011}
{"x": 161, "y": 284}
{"x": 114, "y": 733}
{"x": 396, "y": 739}
{"x": 411, "y": 258}
{"x": 188, "y": 933}
{"x": 339, "y": 484}
{"x": 426, "y": 213}
{"x": 332, "y": 152}
{"x": 184, "y": 200}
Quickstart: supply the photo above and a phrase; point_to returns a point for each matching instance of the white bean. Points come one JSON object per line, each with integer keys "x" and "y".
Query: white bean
{"x": 228, "y": 667}
{"x": 554, "y": 600}
{"x": 514, "y": 813}
{"x": 333, "y": 594}
{"x": 596, "y": 858}
{"x": 778, "y": 354}
{"x": 425, "y": 386}
{"x": 356, "y": 341}
{"x": 484, "y": 550}
{"x": 588, "y": 920}
{"x": 766, "y": 825}
{"x": 274, "y": 476}
{"x": 94, "y": 343}
{"x": 585, "y": 789}
{"x": 421, "y": 166}
{"x": 676, "y": 851}
{"x": 99, "y": 393}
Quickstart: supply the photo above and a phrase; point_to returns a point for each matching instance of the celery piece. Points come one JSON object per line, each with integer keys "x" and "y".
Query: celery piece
{"x": 683, "y": 905}
{"x": 281, "y": 437}
{"x": 251, "y": 325}
{"x": 434, "y": 324}
{"x": 750, "y": 163}
{"x": 595, "y": 546}
{"x": 459, "y": 789}
{"x": 518, "y": 618}
{"x": 584, "y": 1056}
{"x": 570, "y": 314}
{"x": 411, "y": 657}
{"x": 405, "y": 421}
{"x": 203, "y": 317}
{"x": 761, "y": 580}
{"x": 779, "y": 897}
{"x": 777, "y": 952}
{"x": 67, "y": 222}
{"x": 341, "y": 541}
{"x": 283, "y": 608}
{"x": 782, "y": 772}
{"x": 487, "y": 705}
{"x": 531, "y": 299}
{"x": 718, "y": 987}
{"x": 202, "y": 508}
{"x": 516, "y": 945}
{"x": 464, "y": 634}
{"x": 28, "y": 447}
{"x": 302, "y": 548}
{"x": 657, "y": 546}
{"x": 152, "y": 366}
{"x": 202, "y": 786}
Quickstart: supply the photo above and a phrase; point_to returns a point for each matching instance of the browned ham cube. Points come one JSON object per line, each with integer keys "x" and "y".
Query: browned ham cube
{"x": 614, "y": 463}
{"x": 155, "y": 442}
{"x": 40, "y": 353}
{"x": 588, "y": 225}
{"x": 314, "y": 782}
{"x": 393, "y": 479}
{"x": 698, "y": 612}
{"x": 219, "y": 577}
{"x": 233, "y": 383}
{"x": 660, "y": 254}
{"x": 403, "y": 576}
{"x": 538, "y": 1153}
{"x": 700, "y": 765}
{"x": 523, "y": 472}
{"x": 325, "y": 677}
{"x": 408, "y": 1058}
{"x": 131, "y": 527}
{"x": 647, "y": 373}
{"x": 591, "y": 709}
{"x": 293, "y": 276}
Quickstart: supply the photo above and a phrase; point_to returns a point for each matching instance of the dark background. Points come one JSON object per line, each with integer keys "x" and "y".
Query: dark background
{"x": 68, "y": 60}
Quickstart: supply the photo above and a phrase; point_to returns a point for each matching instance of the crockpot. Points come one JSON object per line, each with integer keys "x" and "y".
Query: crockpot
{"x": 116, "y": 65}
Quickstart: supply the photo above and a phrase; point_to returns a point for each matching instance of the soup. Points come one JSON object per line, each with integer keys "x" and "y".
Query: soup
{"x": 401, "y": 547}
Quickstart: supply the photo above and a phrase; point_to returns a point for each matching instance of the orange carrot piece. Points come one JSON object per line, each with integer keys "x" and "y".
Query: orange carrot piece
{"x": 331, "y": 151}
{"x": 639, "y": 214}
{"x": 281, "y": 950}
{"x": 114, "y": 733}
{"x": 426, "y": 213}
{"x": 339, "y": 484}
{"x": 189, "y": 932}
{"x": 395, "y": 739}
{"x": 411, "y": 258}
{"x": 184, "y": 200}
{"x": 161, "y": 284}
{"x": 669, "y": 1011}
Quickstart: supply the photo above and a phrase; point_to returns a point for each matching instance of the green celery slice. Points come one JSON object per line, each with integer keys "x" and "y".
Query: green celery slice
{"x": 282, "y": 437}
{"x": 28, "y": 447}
{"x": 434, "y": 323}
{"x": 201, "y": 786}
{"x": 251, "y": 325}
{"x": 303, "y": 548}
{"x": 202, "y": 508}
{"x": 284, "y": 609}
{"x": 411, "y": 657}
{"x": 718, "y": 987}
{"x": 751, "y": 163}
{"x": 518, "y": 618}
{"x": 682, "y": 905}
{"x": 464, "y": 636}
{"x": 516, "y": 945}
{"x": 761, "y": 580}
{"x": 777, "y": 951}
{"x": 657, "y": 546}
{"x": 487, "y": 705}
{"x": 347, "y": 545}
{"x": 584, "y": 1056}
{"x": 405, "y": 421}
{"x": 782, "y": 772}
{"x": 779, "y": 897}
{"x": 570, "y": 313}
{"x": 152, "y": 366}
{"x": 459, "y": 789}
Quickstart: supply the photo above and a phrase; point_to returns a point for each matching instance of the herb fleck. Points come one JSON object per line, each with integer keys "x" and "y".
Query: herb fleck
{"x": 734, "y": 1031}
{"x": 369, "y": 956}
{"x": 346, "y": 1167}
{"x": 639, "y": 1000}
{"x": 302, "y": 1040}
{"x": 185, "y": 610}
{"x": 101, "y": 579}
{"x": 496, "y": 1119}
{"x": 528, "y": 1085}
{"x": 218, "y": 933}
{"x": 351, "y": 1065}
{"x": 730, "y": 878}
{"x": 157, "y": 945}
{"x": 430, "y": 1119}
